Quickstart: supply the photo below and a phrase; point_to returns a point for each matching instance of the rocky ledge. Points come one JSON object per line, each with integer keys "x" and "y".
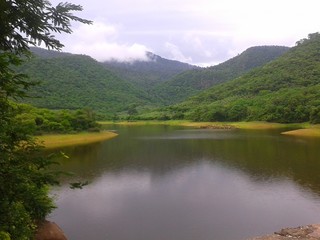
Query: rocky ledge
{"x": 309, "y": 232}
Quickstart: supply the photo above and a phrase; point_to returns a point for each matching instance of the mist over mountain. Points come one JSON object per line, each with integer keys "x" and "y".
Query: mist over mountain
{"x": 147, "y": 74}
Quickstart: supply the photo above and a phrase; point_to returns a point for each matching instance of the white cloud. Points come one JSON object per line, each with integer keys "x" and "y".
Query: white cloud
{"x": 101, "y": 41}
{"x": 104, "y": 51}
{"x": 196, "y": 31}
{"x": 98, "y": 31}
{"x": 176, "y": 53}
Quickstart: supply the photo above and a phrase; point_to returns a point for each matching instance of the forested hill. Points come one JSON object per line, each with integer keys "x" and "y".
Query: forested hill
{"x": 192, "y": 82}
{"x": 78, "y": 81}
{"x": 44, "y": 53}
{"x": 147, "y": 74}
{"x": 285, "y": 90}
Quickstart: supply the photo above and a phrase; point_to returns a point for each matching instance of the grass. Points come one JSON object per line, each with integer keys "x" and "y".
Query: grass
{"x": 64, "y": 140}
{"x": 227, "y": 125}
{"x": 312, "y": 131}
{"x": 258, "y": 125}
{"x": 141, "y": 123}
{"x": 184, "y": 123}
{"x": 303, "y": 129}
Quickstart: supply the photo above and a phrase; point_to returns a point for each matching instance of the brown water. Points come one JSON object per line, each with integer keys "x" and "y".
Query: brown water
{"x": 170, "y": 183}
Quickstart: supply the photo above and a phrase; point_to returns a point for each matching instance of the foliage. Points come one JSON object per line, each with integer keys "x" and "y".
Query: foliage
{"x": 194, "y": 81}
{"x": 285, "y": 90}
{"x": 23, "y": 177}
{"x": 171, "y": 81}
{"x": 148, "y": 73}
{"x": 40, "y": 120}
{"x": 32, "y": 22}
{"x": 24, "y": 174}
{"x": 4, "y": 236}
{"x": 69, "y": 81}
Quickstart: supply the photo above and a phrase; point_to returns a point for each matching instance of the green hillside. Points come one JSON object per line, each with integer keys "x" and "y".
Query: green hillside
{"x": 78, "y": 81}
{"x": 45, "y": 53}
{"x": 147, "y": 74}
{"x": 285, "y": 90}
{"x": 194, "y": 81}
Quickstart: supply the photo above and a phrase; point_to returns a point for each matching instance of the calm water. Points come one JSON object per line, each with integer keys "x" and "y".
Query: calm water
{"x": 169, "y": 183}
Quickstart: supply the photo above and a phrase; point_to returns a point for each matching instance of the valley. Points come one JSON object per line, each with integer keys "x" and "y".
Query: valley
{"x": 120, "y": 90}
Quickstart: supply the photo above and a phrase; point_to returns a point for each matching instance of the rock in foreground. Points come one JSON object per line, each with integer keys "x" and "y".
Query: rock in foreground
{"x": 49, "y": 231}
{"x": 309, "y": 232}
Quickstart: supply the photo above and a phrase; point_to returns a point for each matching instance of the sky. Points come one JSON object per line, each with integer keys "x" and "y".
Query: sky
{"x": 199, "y": 32}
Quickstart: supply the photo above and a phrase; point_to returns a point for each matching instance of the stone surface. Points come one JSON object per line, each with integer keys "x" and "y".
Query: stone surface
{"x": 309, "y": 232}
{"x": 49, "y": 231}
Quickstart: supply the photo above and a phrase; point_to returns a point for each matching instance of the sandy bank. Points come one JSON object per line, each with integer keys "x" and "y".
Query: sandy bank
{"x": 64, "y": 140}
{"x": 213, "y": 125}
{"x": 307, "y": 132}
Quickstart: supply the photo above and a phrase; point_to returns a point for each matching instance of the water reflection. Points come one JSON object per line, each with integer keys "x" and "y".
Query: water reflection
{"x": 171, "y": 183}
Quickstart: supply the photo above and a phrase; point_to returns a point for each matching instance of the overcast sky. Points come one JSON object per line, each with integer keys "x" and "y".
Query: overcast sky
{"x": 200, "y": 32}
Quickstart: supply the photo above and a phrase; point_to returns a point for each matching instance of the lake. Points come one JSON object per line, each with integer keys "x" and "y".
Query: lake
{"x": 174, "y": 183}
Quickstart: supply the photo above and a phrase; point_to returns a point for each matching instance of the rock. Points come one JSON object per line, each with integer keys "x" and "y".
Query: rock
{"x": 309, "y": 232}
{"x": 295, "y": 232}
{"x": 49, "y": 231}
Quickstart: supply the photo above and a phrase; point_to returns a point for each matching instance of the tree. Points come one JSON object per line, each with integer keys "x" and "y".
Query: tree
{"x": 24, "y": 174}
{"x": 25, "y": 22}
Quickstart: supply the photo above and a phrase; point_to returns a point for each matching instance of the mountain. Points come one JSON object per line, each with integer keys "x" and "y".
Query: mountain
{"x": 44, "y": 53}
{"x": 69, "y": 81}
{"x": 147, "y": 74}
{"x": 194, "y": 81}
{"x": 284, "y": 90}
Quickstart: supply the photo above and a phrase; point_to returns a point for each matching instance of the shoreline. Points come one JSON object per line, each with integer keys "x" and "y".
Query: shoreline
{"x": 219, "y": 125}
{"x": 304, "y": 132}
{"x": 51, "y": 141}
{"x": 300, "y": 129}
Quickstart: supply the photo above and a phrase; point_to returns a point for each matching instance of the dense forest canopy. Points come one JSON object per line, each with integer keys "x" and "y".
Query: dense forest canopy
{"x": 42, "y": 121}
{"x": 285, "y": 90}
{"x": 69, "y": 81}
{"x": 78, "y": 81}
{"x": 148, "y": 73}
{"x": 191, "y": 82}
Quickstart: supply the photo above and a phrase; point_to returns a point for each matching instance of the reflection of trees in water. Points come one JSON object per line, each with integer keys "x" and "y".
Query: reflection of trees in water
{"x": 79, "y": 162}
{"x": 263, "y": 156}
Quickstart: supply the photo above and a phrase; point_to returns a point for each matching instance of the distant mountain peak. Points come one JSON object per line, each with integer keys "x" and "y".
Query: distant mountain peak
{"x": 152, "y": 57}
{"x": 147, "y": 74}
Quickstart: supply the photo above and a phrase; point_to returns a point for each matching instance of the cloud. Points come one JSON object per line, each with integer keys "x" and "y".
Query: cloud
{"x": 197, "y": 31}
{"x": 104, "y": 51}
{"x": 101, "y": 41}
{"x": 175, "y": 53}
